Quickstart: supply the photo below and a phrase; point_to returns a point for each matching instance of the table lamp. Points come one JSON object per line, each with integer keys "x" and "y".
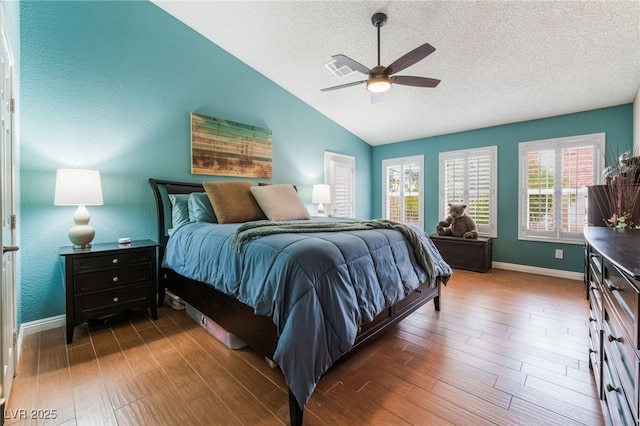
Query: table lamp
{"x": 82, "y": 188}
{"x": 321, "y": 194}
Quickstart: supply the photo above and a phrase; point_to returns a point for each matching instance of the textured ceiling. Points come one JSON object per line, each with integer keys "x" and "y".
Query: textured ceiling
{"x": 499, "y": 61}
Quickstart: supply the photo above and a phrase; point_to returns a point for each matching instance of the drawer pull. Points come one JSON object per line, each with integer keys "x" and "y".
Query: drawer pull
{"x": 115, "y": 279}
{"x": 115, "y": 260}
{"x": 614, "y": 288}
{"x": 115, "y": 300}
{"x": 612, "y": 389}
{"x": 614, "y": 339}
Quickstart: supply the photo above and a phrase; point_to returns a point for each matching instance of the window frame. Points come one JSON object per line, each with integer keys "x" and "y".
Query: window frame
{"x": 557, "y": 235}
{"x": 401, "y": 161}
{"x": 329, "y": 179}
{"x": 490, "y": 230}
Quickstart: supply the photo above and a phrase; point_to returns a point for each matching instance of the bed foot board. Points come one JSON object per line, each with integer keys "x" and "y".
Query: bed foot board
{"x": 295, "y": 412}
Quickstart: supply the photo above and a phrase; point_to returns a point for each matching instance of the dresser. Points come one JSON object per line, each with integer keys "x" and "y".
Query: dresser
{"x": 109, "y": 278}
{"x": 613, "y": 280}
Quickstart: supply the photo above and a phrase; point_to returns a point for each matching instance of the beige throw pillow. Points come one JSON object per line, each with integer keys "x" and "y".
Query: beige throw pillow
{"x": 280, "y": 202}
{"x": 232, "y": 201}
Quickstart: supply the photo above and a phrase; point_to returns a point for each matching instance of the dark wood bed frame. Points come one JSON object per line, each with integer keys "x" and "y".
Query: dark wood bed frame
{"x": 257, "y": 331}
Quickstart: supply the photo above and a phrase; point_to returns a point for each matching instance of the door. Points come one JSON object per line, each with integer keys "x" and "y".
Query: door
{"x": 7, "y": 208}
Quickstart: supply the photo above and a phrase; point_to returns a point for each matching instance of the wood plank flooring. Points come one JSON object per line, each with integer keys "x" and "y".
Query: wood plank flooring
{"x": 507, "y": 348}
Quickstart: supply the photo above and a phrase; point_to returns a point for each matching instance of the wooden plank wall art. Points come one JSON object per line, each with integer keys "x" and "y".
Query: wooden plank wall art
{"x": 225, "y": 148}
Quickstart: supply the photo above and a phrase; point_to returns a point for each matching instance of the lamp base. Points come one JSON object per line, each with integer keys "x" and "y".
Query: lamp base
{"x": 321, "y": 209}
{"x": 82, "y": 235}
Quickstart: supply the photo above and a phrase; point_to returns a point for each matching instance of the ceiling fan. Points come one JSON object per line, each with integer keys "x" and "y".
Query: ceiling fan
{"x": 380, "y": 77}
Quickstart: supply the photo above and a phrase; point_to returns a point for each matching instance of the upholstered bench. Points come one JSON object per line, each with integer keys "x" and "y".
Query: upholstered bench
{"x": 465, "y": 253}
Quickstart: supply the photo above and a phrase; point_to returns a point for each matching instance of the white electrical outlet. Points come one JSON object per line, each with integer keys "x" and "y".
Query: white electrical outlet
{"x": 559, "y": 253}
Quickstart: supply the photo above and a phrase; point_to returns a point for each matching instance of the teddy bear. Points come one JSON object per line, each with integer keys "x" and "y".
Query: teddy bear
{"x": 457, "y": 224}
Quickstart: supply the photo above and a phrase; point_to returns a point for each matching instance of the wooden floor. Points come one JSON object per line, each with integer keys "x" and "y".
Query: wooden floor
{"x": 507, "y": 348}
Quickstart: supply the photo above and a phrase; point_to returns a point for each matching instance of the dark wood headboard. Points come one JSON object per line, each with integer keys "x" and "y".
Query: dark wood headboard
{"x": 161, "y": 190}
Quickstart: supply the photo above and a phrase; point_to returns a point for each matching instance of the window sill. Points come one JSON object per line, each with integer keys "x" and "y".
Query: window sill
{"x": 574, "y": 241}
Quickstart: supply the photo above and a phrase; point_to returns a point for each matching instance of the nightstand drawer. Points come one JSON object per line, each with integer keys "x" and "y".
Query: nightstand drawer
{"x": 96, "y": 304}
{"x": 115, "y": 259}
{"x": 113, "y": 278}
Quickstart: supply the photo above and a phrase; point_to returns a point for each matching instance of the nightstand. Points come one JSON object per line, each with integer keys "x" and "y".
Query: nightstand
{"x": 108, "y": 278}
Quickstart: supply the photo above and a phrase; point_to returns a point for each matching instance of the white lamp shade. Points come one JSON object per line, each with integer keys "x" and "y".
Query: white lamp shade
{"x": 321, "y": 194}
{"x": 378, "y": 84}
{"x": 78, "y": 187}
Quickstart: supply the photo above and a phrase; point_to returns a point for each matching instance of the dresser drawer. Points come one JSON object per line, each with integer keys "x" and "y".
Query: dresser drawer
{"x": 616, "y": 407}
{"x": 118, "y": 258}
{"x": 595, "y": 303}
{"x": 95, "y": 304}
{"x": 595, "y": 264}
{"x": 624, "y": 298}
{"x": 621, "y": 353}
{"x": 595, "y": 354}
{"x": 112, "y": 278}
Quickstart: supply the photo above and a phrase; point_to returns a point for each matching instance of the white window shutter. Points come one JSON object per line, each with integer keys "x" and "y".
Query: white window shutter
{"x": 469, "y": 177}
{"x": 340, "y": 175}
{"x": 554, "y": 176}
{"x": 402, "y": 189}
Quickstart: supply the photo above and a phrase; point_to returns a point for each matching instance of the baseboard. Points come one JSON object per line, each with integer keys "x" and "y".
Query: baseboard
{"x": 579, "y": 276}
{"x": 38, "y": 326}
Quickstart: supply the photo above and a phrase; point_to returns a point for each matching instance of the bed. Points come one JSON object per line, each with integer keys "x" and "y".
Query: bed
{"x": 269, "y": 283}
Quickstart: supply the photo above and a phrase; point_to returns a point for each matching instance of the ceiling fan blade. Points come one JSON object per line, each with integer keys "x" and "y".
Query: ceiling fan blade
{"x": 376, "y": 97}
{"x": 354, "y": 65}
{"x": 342, "y": 86}
{"x": 408, "y": 59}
{"x": 409, "y": 80}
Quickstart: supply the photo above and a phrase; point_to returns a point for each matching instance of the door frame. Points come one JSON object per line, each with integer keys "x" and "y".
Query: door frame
{"x": 8, "y": 332}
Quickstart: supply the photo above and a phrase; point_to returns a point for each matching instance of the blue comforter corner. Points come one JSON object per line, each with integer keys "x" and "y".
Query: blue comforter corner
{"x": 318, "y": 287}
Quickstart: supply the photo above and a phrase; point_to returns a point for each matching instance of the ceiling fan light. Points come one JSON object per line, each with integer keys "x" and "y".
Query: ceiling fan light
{"x": 378, "y": 84}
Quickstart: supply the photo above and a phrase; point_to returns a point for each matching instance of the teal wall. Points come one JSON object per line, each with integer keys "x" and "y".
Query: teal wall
{"x": 109, "y": 86}
{"x": 616, "y": 122}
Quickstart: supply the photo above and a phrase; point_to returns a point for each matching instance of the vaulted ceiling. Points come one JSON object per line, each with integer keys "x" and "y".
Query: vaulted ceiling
{"x": 498, "y": 61}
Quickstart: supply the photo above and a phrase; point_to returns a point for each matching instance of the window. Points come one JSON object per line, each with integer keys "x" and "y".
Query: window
{"x": 469, "y": 177}
{"x": 402, "y": 186}
{"x": 339, "y": 173}
{"x": 554, "y": 175}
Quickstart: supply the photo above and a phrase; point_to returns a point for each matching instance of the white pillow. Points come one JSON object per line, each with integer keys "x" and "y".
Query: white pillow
{"x": 280, "y": 202}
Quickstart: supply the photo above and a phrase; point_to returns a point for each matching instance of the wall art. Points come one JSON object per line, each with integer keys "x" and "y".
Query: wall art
{"x": 226, "y": 148}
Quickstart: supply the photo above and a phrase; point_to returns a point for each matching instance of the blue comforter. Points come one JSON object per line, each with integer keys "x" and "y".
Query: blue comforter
{"x": 318, "y": 287}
